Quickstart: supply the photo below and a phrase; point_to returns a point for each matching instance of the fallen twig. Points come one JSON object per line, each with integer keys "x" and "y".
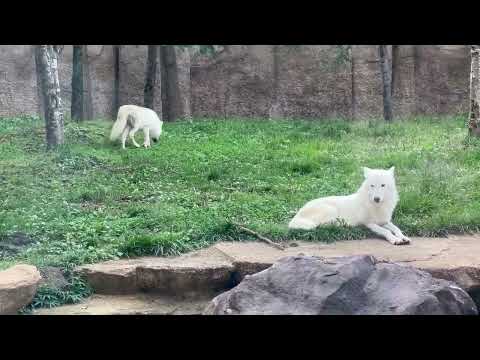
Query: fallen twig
{"x": 263, "y": 238}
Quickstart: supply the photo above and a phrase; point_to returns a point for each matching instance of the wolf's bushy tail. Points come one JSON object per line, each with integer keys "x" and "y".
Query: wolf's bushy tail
{"x": 119, "y": 124}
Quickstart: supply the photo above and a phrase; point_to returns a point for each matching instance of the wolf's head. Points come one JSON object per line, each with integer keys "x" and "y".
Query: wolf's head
{"x": 380, "y": 185}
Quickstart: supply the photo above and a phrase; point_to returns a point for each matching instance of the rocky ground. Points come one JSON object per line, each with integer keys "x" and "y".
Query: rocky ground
{"x": 185, "y": 284}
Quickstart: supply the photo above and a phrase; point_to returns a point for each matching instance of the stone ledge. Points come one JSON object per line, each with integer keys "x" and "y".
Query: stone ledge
{"x": 221, "y": 266}
{"x": 204, "y": 271}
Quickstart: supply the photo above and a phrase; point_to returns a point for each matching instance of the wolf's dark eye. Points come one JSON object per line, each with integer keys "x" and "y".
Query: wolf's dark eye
{"x": 372, "y": 186}
{"x": 383, "y": 185}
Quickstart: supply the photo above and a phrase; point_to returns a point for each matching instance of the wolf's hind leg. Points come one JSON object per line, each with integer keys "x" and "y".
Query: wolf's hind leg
{"x": 311, "y": 217}
{"x": 124, "y": 136}
{"x": 132, "y": 136}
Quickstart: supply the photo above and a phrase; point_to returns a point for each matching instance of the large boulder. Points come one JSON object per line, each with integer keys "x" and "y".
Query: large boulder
{"x": 353, "y": 285}
{"x": 18, "y": 286}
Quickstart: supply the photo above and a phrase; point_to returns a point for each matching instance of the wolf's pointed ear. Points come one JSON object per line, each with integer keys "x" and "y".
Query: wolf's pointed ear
{"x": 366, "y": 171}
{"x": 392, "y": 170}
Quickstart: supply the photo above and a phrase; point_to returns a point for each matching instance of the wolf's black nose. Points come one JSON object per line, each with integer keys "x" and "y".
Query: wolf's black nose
{"x": 376, "y": 199}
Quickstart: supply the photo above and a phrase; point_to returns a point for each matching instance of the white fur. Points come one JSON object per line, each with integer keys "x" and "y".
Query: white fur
{"x": 372, "y": 206}
{"x": 132, "y": 118}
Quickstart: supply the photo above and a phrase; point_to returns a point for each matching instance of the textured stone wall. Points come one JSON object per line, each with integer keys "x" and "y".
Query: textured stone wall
{"x": 18, "y": 85}
{"x": 238, "y": 81}
{"x": 429, "y": 79}
{"x": 441, "y": 79}
{"x": 313, "y": 84}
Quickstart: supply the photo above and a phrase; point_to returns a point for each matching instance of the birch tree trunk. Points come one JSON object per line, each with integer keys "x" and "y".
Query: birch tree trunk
{"x": 150, "y": 77}
{"x": 474, "y": 115}
{"x": 50, "y": 86}
{"x": 77, "y": 84}
{"x": 387, "y": 83}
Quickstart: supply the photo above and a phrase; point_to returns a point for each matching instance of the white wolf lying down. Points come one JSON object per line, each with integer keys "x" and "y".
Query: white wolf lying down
{"x": 372, "y": 205}
{"x": 132, "y": 118}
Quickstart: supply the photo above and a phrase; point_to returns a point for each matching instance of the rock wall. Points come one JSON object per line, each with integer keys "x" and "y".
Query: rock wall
{"x": 18, "y": 86}
{"x": 238, "y": 81}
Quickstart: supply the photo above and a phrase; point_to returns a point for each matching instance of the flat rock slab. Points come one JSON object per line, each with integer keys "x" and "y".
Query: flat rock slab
{"x": 205, "y": 271}
{"x": 456, "y": 258}
{"x": 138, "y": 304}
{"x": 18, "y": 286}
{"x": 223, "y": 265}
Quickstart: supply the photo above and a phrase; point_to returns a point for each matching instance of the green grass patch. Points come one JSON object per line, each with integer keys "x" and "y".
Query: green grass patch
{"x": 90, "y": 201}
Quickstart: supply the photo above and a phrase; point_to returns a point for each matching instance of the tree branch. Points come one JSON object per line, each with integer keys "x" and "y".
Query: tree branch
{"x": 263, "y": 238}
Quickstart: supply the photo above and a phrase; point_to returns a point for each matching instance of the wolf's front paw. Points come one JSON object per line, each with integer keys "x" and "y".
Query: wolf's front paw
{"x": 406, "y": 239}
{"x": 397, "y": 241}
{"x": 146, "y": 146}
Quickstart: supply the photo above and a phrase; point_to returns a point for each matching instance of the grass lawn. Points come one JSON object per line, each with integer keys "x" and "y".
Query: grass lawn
{"x": 91, "y": 201}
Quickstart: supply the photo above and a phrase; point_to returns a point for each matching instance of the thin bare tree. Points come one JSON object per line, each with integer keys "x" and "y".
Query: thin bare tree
{"x": 395, "y": 64}
{"x": 353, "y": 83}
{"x": 150, "y": 76}
{"x": 77, "y": 84}
{"x": 387, "y": 82}
{"x": 474, "y": 116}
{"x": 116, "y": 80}
{"x": 171, "y": 107}
{"x": 275, "y": 105}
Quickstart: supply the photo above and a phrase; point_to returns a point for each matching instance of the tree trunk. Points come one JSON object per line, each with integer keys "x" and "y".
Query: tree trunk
{"x": 150, "y": 77}
{"x": 354, "y": 91}
{"x": 387, "y": 83}
{"x": 474, "y": 115}
{"x": 50, "y": 85}
{"x": 275, "y": 101}
{"x": 163, "y": 82}
{"x": 77, "y": 84}
{"x": 395, "y": 62}
{"x": 87, "y": 84}
{"x": 170, "y": 91}
{"x": 116, "y": 80}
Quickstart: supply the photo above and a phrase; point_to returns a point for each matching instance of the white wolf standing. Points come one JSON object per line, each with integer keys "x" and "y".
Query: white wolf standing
{"x": 372, "y": 205}
{"x": 132, "y": 118}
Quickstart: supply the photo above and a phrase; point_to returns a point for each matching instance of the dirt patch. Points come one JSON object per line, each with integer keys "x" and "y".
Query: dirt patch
{"x": 13, "y": 244}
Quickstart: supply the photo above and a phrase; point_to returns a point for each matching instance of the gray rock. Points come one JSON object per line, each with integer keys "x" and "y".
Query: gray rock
{"x": 53, "y": 278}
{"x": 354, "y": 285}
